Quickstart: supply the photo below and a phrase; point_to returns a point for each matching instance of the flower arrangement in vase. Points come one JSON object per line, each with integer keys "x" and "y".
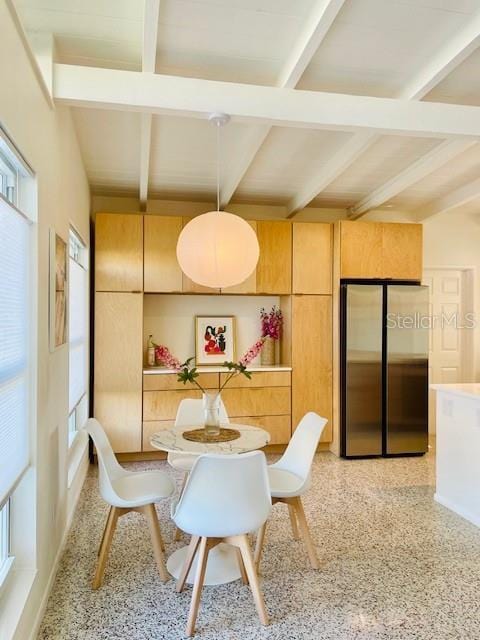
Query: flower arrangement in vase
{"x": 272, "y": 327}
{"x": 187, "y": 372}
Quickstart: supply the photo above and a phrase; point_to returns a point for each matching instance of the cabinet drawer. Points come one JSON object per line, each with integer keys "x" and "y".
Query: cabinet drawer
{"x": 257, "y": 401}
{"x": 163, "y": 405}
{"x": 259, "y": 379}
{"x": 149, "y": 428}
{"x": 279, "y": 427}
{"x": 169, "y": 381}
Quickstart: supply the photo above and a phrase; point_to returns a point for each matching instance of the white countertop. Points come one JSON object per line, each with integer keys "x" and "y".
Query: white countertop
{"x": 464, "y": 389}
{"x": 260, "y": 368}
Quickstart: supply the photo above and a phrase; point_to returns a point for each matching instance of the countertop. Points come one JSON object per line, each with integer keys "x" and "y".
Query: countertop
{"x": 464, "y": 389}
{"x": 212, "y": 369}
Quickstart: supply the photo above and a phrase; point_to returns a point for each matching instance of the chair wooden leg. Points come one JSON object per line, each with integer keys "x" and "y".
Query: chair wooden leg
{"x": 241, "y": 565}
{"x": 242, "y": 542}
{"x": 197, "y": 587}
{"x": 178, "y": 532}
{"x": 154, "y": 526}
{"x": 259, "y": 546}
{"x": 307, "y": 538}
{"x": 113, "y": 516}
{"x": 187, "y": 565}
{"x": 293, "y": 522}
{"x": 109, "y": 515}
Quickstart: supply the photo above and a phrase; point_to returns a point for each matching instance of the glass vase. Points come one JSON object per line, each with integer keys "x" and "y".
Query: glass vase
{"x": 211, "y": 408}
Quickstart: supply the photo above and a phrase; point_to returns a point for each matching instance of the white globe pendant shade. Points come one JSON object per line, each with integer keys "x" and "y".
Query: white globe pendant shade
{"x": 218, "y": 249}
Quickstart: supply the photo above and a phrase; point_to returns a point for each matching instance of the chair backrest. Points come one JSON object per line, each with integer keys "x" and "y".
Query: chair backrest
{"x": 298, "y": 456}
{"x": 225, "y": 495}
{"x": 108, "y": 468}
{"x": 190, "y": 412}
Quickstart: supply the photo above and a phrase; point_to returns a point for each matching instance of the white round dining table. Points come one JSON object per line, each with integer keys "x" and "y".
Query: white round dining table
{"x": 222, "y": 564}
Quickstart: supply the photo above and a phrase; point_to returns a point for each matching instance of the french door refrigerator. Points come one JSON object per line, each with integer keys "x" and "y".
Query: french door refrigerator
{"x": 384, "y": 340}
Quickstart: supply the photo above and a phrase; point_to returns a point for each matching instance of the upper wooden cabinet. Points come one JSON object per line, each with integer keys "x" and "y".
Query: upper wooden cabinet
{"x": 402, "y": 251}
{"x": 381, "y": 250}
{"x": 312, "y": 257}
{"x": 274, "y": 269}
{"x": 162, "y": 272}
{"x": 118, "y": 252}
{"x": 360, "y": 249}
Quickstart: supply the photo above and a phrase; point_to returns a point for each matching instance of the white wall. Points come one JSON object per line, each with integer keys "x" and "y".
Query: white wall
{"x": 452, "y": 239}
{"x": 47, "y": 139}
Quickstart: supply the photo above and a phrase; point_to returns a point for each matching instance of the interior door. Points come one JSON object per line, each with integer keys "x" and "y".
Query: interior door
{"x": 447, "y": 343}
{"x": 407, "y": 322}
{"x": 362, "y": 380}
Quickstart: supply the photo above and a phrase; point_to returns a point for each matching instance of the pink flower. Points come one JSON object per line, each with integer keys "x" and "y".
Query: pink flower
{"x": 272, "y": 323}
{"x": 252, "y": 353}
{"x": 163, "y": 355}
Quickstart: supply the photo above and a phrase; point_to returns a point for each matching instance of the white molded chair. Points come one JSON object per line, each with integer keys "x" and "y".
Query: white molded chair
{"x": 226, "y": 497}
{"x": 290, "y": 477}
{"x": 127, "y": 491}
{"x": 190, "y": 412}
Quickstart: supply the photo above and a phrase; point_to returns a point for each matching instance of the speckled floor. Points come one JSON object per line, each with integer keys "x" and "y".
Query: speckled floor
{"x": 395, "y": 565}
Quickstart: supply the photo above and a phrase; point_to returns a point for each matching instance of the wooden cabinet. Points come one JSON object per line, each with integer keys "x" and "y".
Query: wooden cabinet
{"x": 162, "y": 272}
{"x": 312, "y": 258}
{"x": 402, "y": 246}
{"x": 118, "y": 368}
{"x": 259, "y": 379}
{"x": 274, "y": 269}
{"x": 169, "y": 381}
{"x": 360, "y": 249}
{"x": 381, "y": 250}
{"x": 118, "y": 252}
{"x": 312, "y": 359}
{"x": 257, "y": 401}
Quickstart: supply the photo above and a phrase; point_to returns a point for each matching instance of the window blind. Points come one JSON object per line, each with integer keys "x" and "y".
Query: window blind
{"x": 14, "y": 347}
{"x": 78, "y": 327}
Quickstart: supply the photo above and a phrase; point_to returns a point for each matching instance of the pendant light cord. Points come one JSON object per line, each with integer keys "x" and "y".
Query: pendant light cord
{"x": 218, "y": 165}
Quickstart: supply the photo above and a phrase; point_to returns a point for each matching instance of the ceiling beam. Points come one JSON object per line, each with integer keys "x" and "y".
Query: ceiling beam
{"x": 100, "y": 88}
{"x": 151, "y": 16}
{"x": 319, "y": 22}
{"x": 457, "y": 198}
{"x": 431, "y": 74}
{"x": 434, "y": 159}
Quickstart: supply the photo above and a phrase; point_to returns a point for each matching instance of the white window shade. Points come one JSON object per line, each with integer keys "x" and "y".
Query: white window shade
{"x": 14, "y": 347}
{"x": 78, "y": 326}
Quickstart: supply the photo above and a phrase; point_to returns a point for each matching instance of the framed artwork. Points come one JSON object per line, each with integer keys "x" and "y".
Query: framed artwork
{"x": 58, "y": 291}
{"x": 214, "y": 339}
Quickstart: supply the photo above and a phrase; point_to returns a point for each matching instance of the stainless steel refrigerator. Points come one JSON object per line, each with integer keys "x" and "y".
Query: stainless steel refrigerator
{"x": 384, "y": 340}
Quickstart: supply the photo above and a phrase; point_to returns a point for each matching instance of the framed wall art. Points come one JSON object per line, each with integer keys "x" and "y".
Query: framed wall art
{"x": 58, "y": 291}
{"x": 214, "y": 339}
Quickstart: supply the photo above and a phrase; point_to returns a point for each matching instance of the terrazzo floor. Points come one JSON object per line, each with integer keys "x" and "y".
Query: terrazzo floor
{"x": 395, "y": 565}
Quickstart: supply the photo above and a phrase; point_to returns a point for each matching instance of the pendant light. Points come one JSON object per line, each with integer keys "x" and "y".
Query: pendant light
{"x": 218, "y": 249}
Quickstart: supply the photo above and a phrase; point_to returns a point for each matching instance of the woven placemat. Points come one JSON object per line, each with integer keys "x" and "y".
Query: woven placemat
{"x": 199, "y": 435}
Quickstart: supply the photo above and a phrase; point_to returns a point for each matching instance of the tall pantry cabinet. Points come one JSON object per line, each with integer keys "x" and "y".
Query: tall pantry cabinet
{"x": 118, "y": 346}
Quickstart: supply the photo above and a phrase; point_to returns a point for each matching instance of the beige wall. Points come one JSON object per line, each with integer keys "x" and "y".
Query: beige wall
{"x": 47, "y": 139}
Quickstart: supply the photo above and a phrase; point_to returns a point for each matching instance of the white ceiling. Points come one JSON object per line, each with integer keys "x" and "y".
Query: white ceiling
{"x": 373, "y": 47}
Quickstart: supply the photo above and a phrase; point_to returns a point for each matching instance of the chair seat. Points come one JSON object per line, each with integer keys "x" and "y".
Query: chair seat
{"x": 284, "y": 484}
{"x": 145, "y": 487}
{"x": 182, "y": 461}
